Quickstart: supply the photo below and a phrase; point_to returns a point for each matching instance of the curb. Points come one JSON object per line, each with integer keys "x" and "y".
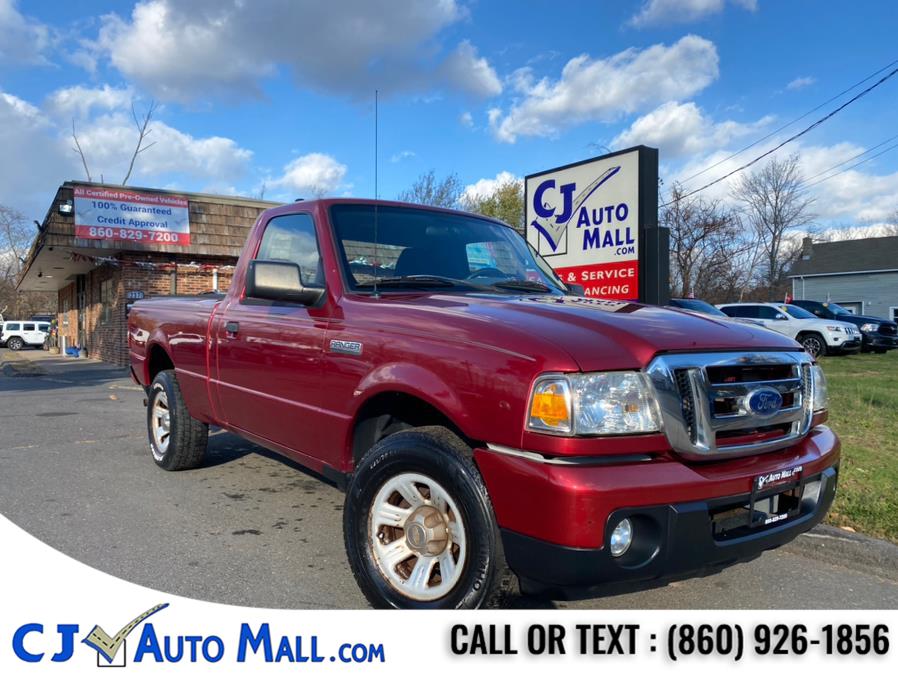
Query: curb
{"x": 16, "y": 365}
{"x": 851, "y": 550}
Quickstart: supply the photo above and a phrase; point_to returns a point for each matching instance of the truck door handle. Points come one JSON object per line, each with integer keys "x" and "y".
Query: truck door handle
{"x": 232, "y": 327}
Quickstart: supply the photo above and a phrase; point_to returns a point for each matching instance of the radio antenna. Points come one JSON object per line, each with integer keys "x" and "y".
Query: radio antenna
{"x": 375, "y": 261}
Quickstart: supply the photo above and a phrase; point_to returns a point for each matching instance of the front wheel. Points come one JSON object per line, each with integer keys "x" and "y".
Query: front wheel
{"x": 15, "y": 343}
{"x": 177, "y": 440}
{"x": 419, "y": 527}
{"x": 814, "y": 345}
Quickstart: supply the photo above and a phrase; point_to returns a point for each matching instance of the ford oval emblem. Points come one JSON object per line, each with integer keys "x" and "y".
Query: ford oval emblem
{"x": 764, "y": 402}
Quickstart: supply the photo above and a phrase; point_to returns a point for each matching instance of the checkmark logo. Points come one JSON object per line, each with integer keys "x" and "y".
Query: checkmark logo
{"x": 108, "y": 646}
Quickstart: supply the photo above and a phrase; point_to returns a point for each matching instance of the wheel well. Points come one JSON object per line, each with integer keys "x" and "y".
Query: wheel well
{"x": 810, "y": 333}
{"x": 388, "y": 413}
{"x": 158, "y": 362}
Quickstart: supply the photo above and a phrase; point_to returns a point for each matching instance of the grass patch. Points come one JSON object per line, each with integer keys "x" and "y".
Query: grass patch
{"x": 863, "y": 411}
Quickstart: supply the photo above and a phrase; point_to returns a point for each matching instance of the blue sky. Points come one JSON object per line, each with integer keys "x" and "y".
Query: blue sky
{"x": 280, "y": 94}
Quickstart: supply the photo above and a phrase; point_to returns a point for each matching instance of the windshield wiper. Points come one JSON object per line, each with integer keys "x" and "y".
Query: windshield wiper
{"x": 522, "y": 284}
{"x": 418, "y": 281}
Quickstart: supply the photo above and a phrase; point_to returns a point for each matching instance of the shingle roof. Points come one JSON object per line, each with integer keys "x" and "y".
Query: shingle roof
{"x": 849, "y": 256}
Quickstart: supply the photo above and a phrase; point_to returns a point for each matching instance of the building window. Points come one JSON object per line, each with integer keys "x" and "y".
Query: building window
{"x": 893, "y": 313}
{"x": 106, "y": 299}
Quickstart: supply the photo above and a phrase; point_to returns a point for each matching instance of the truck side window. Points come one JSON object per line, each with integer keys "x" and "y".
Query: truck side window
{"x": 768, "y": 313}
{"x": 292, "y": 238}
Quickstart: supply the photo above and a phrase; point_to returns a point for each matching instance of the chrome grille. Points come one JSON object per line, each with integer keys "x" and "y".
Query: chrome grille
{"x": 704, "y": 401}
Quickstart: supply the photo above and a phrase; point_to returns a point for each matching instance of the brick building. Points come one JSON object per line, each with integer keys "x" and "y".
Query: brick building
{"x": 98, "y": 269}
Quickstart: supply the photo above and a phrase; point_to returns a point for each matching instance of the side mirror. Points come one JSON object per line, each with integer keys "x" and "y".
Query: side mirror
{"x": 576, "y": 289}
{"x": 781, "y": 317}
{"x": 279, "y": 281}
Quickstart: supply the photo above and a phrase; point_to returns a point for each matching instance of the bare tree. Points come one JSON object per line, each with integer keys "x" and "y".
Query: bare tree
{"x": 774, "y": 204}
{"x": 706, "y": 246}
{"x": 143, "y": 130}
{"x": 80, "y": 152}
{"x": 891, "y": 227}
{"x": 429, "y": 191}
{"x": 16, "y": 235}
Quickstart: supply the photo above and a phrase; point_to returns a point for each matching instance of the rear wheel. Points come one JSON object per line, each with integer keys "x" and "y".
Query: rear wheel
{"x": 419, "y": 526}
{"x": 813, "y": 344}
{"x": 177, "y": 440}
{"x": 15, "y": 343}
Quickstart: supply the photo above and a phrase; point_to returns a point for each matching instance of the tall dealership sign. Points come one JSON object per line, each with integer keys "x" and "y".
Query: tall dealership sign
{"x": 596, "y": 223}
{"x": 138, "y": 217}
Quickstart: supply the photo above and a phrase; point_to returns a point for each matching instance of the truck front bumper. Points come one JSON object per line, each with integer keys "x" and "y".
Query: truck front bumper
{"x": 877, "y": 340}
{"x": 673, "y": 537}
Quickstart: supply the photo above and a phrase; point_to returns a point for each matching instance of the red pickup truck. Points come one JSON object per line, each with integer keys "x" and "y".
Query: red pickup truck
{"x": 492, "y": 430}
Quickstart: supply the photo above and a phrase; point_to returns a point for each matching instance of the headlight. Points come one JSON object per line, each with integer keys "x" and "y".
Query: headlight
{"x": 820, "y": 398}
{"x": 601, "y": 403}
{"x": 869, "y": 327}
{"x": 834, "y": 328}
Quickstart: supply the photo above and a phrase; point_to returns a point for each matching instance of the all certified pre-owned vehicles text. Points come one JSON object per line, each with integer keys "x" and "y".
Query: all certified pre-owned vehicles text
{"x": 491, "y": 430}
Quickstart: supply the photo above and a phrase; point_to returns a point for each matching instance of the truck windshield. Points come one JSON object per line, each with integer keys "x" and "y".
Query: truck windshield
{"x": 837, "y": 310}
{"x": 418, "y": 248}
{"x": 699, "y": 306}
{"x": 797, "y": 312}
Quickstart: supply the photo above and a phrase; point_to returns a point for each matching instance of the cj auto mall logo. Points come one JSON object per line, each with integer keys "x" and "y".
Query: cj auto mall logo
{"x": 32, "y": 642}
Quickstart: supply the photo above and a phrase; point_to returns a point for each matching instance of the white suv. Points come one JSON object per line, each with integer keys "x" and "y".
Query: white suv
{"x": 18, "y": 334}
{"x": 818, "y": 337}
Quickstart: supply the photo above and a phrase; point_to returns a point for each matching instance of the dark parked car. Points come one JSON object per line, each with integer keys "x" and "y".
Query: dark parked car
{"x": 879, "y": 334}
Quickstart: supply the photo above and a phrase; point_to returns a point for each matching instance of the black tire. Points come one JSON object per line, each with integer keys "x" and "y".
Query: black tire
{"x": 813, "y": 344}
{"x": 187, "y": 437}
{"x": 15, "y": 343}
{"x": 437, "y": 453}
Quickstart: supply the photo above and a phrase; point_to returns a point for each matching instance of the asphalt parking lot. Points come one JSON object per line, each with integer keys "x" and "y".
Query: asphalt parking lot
{"x": 252, "y": 528}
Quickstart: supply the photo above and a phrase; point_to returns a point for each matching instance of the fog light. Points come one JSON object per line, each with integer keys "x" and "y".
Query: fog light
{"x": 621, "y": 538}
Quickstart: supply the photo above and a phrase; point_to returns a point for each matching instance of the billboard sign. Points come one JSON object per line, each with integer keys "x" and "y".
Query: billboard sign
{"x": 122, "y": 215}
{"x": 588, "y": 219}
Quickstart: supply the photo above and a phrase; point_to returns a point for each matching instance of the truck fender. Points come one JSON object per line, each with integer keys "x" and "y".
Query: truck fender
{"x": 412, "y": 380}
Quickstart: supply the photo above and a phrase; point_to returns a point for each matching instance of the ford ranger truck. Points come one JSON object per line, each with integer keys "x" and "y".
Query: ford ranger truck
{"x": 492, "y": 431}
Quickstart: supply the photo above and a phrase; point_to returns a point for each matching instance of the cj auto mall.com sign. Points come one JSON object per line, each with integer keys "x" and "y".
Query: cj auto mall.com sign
{"x": 120, "y": 215}
{"x": 584, "y": 220}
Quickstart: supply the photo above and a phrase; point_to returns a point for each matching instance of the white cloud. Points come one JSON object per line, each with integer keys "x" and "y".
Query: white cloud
{"x": 655, "y": 12}
{"x": 42, "y": 146}
{"x": 109, "y": 140}
{"x": 401, "y": 156}
{"x": 466, "y": 119}
{"x": 682, "y": 129}
{"x": 486, "y": 186}
{"x": 24, "y": 40}
{"x": 800, "y": 83}
{"x": 604, "y": 89}
{"x": 858, "y": 195}
{"x": 183, "y": 49}
{"x": 80, "y": 101}
{"x": 41, "y": 161}
{"x": 466, "y": 71}
{"x": 311, "y": 174}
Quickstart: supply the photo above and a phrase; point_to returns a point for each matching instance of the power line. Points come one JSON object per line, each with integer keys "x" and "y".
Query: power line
{"x": 850, "y": 159}
{"x": 864, "y": 161}
{"x": 788, "y": 124}
{"x": 791, "y": 138}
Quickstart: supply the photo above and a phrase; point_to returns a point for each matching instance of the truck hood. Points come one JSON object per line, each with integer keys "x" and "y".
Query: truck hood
{"x": 597, "y": 334}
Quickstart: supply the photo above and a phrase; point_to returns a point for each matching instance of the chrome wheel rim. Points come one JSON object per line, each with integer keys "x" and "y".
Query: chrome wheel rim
{"x": 417, "y": 536}
{"x": 160, "y": 424}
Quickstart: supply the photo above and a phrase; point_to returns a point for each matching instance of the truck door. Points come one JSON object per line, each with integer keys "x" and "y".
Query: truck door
{"x": 269, "y": 353}
{"x": 779, "y": 321}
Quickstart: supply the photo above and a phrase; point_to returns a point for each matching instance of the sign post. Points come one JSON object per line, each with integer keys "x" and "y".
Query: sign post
{"x": 596, "y": 223}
